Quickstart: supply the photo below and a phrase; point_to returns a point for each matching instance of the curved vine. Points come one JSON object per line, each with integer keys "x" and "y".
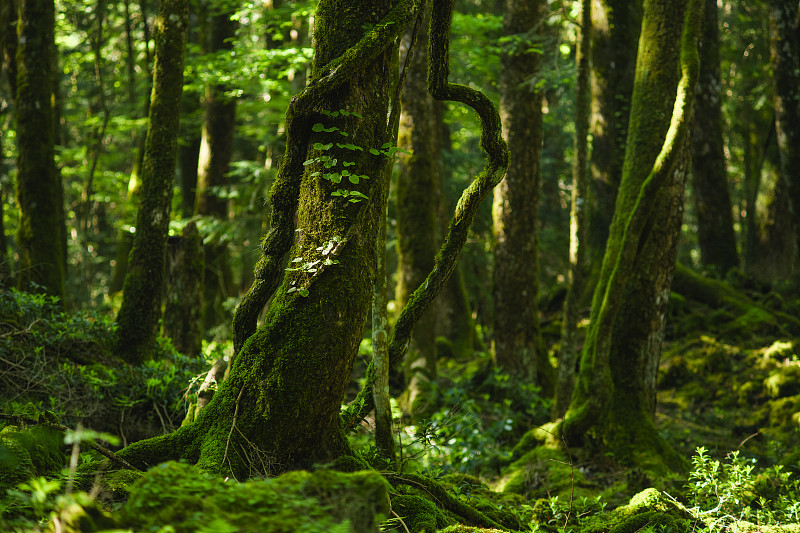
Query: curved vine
{"x": 494, "y": 170}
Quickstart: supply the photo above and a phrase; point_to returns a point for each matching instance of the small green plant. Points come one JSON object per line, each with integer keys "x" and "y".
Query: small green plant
{"x": 723, "y": 493}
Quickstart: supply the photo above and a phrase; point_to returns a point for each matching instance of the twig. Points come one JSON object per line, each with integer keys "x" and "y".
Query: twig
{"x": 233, "y": 425}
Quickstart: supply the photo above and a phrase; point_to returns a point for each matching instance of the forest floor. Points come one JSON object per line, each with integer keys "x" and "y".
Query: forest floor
{"x": 728, "y": 402}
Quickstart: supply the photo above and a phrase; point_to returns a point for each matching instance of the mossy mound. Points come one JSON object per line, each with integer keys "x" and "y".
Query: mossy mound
{"x": 180, "y": 496}
{"x": 29, "y": 452}
{"x": 542, "y": 471}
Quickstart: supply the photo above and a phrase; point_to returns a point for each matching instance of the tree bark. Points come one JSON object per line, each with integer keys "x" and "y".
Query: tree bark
{"x": 140, "y": 311}
{"x": 785, "y": 60}
{"x": 709, "y": 179}
{"x": 517, "y": 341}
{"x": 38, "y": 184}
{"x": 613, "y": 400}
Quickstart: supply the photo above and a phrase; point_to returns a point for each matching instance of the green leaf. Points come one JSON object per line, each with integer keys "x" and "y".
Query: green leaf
{"x": 353, "y": 179}
{"x": 303, "y": 292}
{"x": 318, "y": 127}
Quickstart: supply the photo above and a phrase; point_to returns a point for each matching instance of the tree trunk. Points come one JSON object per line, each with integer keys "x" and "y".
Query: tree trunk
{"x": 183, "y": 308}
{"x": 142, "y": 293}
{"x": 418, "y": 198}
{"x": 613, "y": 399}
{"x": 709, "y": 180}
{"x": 577, "y": 234}
{"x": 785, "y": 60}
{"x": 216, "y": 148}
{"x": 38, "y": 184}
{"x": 7, "y": 14}
{"x": 615, "y": 34}
{"x": 279, "y": 408}
{"x": 124, "y": 237}
{"x": 518, "y": 347}
{"x": 771, "y": 242}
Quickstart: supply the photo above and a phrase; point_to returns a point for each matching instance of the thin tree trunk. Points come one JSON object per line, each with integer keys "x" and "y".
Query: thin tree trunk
{"x": 785, "y": 60}
{"x": 184, "y": 295}
{"x": 417, "y": 222}
{"x": 142, "y": 293}
{"x": 216, "y": 148}
{"x": 714, "y": 216}
{"x": 517, "y": 341}
{"x": 38, "y": 186}
{"x": 578, "y": 234}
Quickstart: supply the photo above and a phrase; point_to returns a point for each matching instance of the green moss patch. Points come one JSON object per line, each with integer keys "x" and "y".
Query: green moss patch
{"x": 177, "y": 495}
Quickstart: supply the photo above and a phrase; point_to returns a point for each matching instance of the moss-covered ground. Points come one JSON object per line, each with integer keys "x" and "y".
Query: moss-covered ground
{"x": 728, "y": 402}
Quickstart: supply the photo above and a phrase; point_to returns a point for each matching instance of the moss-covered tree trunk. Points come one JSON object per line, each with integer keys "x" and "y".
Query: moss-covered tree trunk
{"x": 216, "y": 148}
{"x": 709, "y": 179}
{"x": 577, "y": 234}
{"x": 613, "y": 400}
{"x": 39, "y": 193}
{"x": 418, "y": 198}
{"x": 140, "y": 311}
{"x": 517, "y": 342}
{"x": 615, "y": 34}
{"x": 279, "y": 407}
{"x": 785, "y": 60}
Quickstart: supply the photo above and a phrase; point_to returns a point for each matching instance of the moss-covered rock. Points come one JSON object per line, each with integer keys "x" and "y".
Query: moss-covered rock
{"x": 188, "y": 500}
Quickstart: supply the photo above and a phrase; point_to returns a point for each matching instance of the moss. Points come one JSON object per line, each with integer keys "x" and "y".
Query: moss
{"x": 29, "y": 452}
{"x": 541, "y": 472}
{"x": 350, "y": 463}
{"x": 180, "y": 496}
{"x": 420, "y": 514}
{"x": 119, "y": 482}
{"x": 645, "y": 509}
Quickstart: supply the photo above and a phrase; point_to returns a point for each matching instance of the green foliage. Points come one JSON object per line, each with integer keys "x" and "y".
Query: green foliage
{"x": 722, "y": 494}
{"x": 63, "y": 362}
{"x": 472, "y": 432}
